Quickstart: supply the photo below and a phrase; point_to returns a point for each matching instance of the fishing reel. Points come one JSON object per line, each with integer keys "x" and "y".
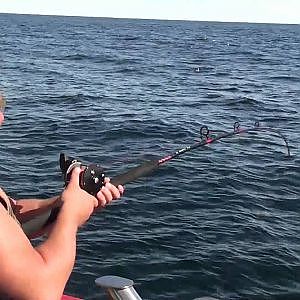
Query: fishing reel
{"x": 91, "y": 179}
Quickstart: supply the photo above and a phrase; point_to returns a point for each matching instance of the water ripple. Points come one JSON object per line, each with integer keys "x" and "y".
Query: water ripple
{"x": 221, "y": 221}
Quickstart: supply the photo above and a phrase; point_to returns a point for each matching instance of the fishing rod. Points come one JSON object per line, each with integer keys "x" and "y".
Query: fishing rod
{"x": 149, "y": 166}
{"x": 91, "y": 179}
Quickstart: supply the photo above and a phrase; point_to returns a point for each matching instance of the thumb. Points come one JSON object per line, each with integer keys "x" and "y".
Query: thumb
{"x": 74, "y": 180}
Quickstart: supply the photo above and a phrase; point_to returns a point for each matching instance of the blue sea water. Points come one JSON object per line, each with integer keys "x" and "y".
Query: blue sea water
{"x": 220, "y": 221}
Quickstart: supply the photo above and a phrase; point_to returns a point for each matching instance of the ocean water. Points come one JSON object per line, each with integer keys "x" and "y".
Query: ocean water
{"x": 220, "y": 221}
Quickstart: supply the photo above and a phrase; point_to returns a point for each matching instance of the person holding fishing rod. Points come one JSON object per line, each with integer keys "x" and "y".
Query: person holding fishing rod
{"x": 41, "y": 272}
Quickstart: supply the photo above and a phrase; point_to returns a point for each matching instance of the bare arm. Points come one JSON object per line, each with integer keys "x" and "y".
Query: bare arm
{"x": 42, "y": 272}
{"x": 26, "y": 210}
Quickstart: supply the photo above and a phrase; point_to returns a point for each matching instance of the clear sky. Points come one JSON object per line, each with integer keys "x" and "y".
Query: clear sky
{"x": 263, "y": 11}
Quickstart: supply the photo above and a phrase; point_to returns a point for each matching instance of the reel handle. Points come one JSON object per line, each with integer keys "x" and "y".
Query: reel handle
{"x": 91, "y": 179}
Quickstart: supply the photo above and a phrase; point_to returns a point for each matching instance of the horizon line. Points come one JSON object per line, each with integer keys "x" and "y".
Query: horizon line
{"x": 147, "y": 19}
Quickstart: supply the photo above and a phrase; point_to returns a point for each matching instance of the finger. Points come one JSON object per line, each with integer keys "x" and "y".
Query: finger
{"x": 74, "y": 180}
{"x": 121, "y": 189}
{"x": 101, "y": 199}
{"x": 96, "y": 202}
{"x": 107, "y": 194}
{"x": 114, "y": 190}
{"x": 106, "y": 180}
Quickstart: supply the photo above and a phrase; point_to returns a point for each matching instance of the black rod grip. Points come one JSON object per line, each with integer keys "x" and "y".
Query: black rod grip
{"x": 135, "y": 173}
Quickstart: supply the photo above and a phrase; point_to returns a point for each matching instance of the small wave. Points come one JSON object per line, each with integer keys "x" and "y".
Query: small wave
{"x": 92, "y": 58}
{"x": 244, "y": 101}
{"x": 221, "y": 74}
{"x": 229, "y": 89}
{"x": 75, "y": 57}
{"x": 128, "y": 69}
{"x": 68, "y": 98}
{"x": 285, "y": 78}
{"x": 213, "y": 95}
{"x": 131, "y": 38}
{"x": 275, "y": 119}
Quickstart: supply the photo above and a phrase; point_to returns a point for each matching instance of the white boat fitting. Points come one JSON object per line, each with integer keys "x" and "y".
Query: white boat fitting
{"x": 119, "y": 288}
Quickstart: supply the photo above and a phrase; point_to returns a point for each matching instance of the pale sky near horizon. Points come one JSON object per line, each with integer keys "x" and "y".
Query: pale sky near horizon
{"x": 261, "y": 11}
